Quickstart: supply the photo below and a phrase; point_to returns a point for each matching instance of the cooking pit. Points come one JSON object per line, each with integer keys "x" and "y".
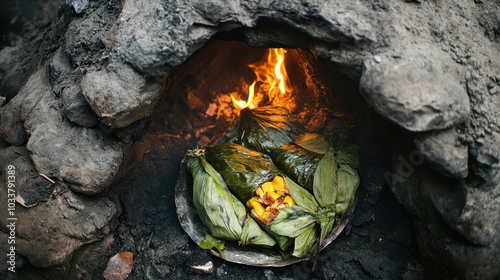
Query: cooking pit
{"x": 203, "y": 100}
{"x": 101, "y": 101}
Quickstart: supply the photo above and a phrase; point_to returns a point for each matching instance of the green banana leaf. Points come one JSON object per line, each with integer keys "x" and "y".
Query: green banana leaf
{"x": 283, "y": 241}
{"x": 325, "y": 180}
{"x": 297, "y": 163}
{"x": 348, "y": 182}
{"x": 266, "y": 128}
{"x": 220, "y": 211}
{"x": 292, "y": 221}
{"x": 306, "y": 242}
{"x": 243, "y": 170}
{"x": 313, "y": 142}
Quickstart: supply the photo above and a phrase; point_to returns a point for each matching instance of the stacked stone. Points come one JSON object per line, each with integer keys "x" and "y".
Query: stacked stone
{"x": 74, "y": 117}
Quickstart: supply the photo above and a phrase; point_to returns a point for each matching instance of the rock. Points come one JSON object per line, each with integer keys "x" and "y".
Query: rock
{"x": 16, "y": 111}
{"x": 216, "y": 11}
{"x": 17, "y": 62}
{"x": 79, "y": 156}
{"x": 11, "y": 127}
{"x": 31, "y": 188}
{"x": 451, "y": 215}
{"x": 479, "y": 221}
{"x": 447, "y": 257}
{"x": 200, "y": 263}
{"x": 60, "y": 72}
{"x": 119, "y": 95}
{"x": 485, "y": 163}
{"x": 80, "y": 6}
{"x": 470, "y": 212}
{"x": 85, "y": 261}
{"x": 75, "y": 107}
{"x": 153, "y": 37}
{"x": 150, "y": 42}
{"x": 414, "y": 92}
{"x": 49, "y": 233}
{"x": 443, "y": 152}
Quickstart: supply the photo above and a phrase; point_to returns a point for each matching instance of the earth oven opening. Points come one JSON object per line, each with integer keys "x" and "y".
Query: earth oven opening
{"x": 203, "y": 97}
{"x": 241, "y": 68}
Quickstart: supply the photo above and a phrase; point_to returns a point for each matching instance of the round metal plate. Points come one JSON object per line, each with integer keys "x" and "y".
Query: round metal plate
{"x": 192, "y": 225}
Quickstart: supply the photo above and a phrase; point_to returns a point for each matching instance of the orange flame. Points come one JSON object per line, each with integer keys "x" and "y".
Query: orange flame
{"x": 271, "y": 74}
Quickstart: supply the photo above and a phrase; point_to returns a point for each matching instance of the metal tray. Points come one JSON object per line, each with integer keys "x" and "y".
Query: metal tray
{"x": 252, "y": 256}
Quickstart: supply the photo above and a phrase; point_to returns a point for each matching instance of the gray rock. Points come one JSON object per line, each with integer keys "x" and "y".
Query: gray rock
{"x": 79, "y": 156}
{"x": 451, "y": 257}
{"x": 17, "y": 62}
{"x": 413, "y": 92}
{"x": 75, "y": 107}
{"x": 119, "y": 95}
{"x": 71, "y": 219}
{"x": 154, "y": 37}
{"x": 11, "y": 127}
{"x": 80, "y": 6}
{"x": 60, "y": 72}
{"x": 443, "y": 152}
{"x": 447, "y": 214}
{"x": 16, "y": 111}
{"x": 485, "y": 163}
{"x": 31, "y": 188}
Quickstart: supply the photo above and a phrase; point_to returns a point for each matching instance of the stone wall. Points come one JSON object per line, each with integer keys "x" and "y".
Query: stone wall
{"x": 430, "y": 67}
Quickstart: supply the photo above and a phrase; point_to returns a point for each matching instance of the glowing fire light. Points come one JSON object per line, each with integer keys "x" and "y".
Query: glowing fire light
{"x": 271, "y": 75}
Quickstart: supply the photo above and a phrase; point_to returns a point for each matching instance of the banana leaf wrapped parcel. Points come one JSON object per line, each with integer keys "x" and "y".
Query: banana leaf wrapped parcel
{"x": 299, "y": 160}
{"x": 328, "y": 168}
{"x": 220, "y": 211}
{"x": 243, "y": 170}
{"x": 279, "y": 211}
{"x": 266, "y": 128}
{"x": 283, "y": 208}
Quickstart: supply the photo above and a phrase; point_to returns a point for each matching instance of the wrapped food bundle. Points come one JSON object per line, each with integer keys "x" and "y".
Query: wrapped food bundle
{"x": 283, "y": 208}
{"x": 229, "y": 176}
{"x": 243, "y": 170}
{"x": 266, "y": 128}
{"x": 220, "y": 211}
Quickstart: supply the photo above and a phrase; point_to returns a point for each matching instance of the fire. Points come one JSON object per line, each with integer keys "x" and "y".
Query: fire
{"x": 271, "y": 78}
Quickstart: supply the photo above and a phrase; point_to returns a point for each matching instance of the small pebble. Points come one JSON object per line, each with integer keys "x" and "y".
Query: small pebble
{"x": 377, "y": 58}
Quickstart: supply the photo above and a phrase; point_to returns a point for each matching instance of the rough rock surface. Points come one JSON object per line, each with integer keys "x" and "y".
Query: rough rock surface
{"x": 32, "y": 187}
{"x": 413, "y": 91}
{"x": 119, "y": 95}
{"x": 420, "y": 57}
{"x": 80, "y": 6}
{"x": 82, "y": 157}
{"x": 453, "y": 224}
{"x": 444, "y": 152}
{"x": 49, "y": 233}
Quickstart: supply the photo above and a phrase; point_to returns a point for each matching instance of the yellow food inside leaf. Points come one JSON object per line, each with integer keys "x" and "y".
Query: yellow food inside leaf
{"x": 256, "y": 206}
{"x": 289, "y": 200}
{"x": 267, "y": 187}
{"x": 259, "y": 192}
{"x": 279, "y": 184}
{"x": 269, "y": 199}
